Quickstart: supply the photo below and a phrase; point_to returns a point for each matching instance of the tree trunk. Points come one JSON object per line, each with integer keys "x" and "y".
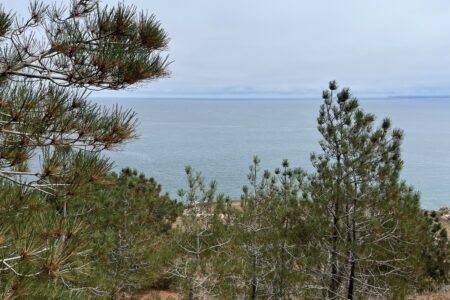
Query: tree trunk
{"x": 191, "y": 294}
{"x": 334, "y": 285}
{"x": 335, "y": 278}
{"x": 351, "y": 284}
{"x": 254, "y": 279}
{"x": 351, "y": 279}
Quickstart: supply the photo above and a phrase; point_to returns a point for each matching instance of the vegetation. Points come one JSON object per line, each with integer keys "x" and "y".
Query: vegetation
{"x": 199, "y": 239}
{"x": 51, "y": 136}
{"x": 268, "y": 244}
{"x": 351, "y": 229}
{"x": 435, "y": 253}
{"x": 129, "y": 222}
{"x": 365, "y": 211}
{"x": 69, "y": 228}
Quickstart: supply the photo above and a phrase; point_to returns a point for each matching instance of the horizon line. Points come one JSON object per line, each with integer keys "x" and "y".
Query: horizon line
{"x": 258, "y": 97}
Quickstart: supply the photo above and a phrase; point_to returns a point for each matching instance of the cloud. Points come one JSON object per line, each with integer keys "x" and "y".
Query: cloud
{"x": 294, "y": 47}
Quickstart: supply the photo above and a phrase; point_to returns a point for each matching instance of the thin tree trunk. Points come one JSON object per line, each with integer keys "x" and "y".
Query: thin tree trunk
{"x": 351, "y": 279}
{"x": 254, "y": 279}
{"x": 335, "y": 281}
{"x": 334, "y": 266}
{"x": 351, "y": 284}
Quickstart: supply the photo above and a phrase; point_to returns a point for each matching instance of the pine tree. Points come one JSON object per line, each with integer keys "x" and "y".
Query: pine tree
{"x": 130, "y": 221}
{"x": 268, "y": 248}
{"x": 262, "y": 249}
{"x": 435, "y": 252}
{"x": 199, "y": 239}
{"x": 47, "y": 64}
{"x": 365, "y": 209}
{"x": 40, "y": 252}
{"x": 51, "y": 135}
{"x": 255, "y": 229}
{"x": 289, "y": 235}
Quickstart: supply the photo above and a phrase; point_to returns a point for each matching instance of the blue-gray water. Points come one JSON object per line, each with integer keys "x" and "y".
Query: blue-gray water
{"x": 220, "y": 137}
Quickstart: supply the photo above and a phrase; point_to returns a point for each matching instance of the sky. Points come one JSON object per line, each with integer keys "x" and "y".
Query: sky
{"x": 292, "y": 48}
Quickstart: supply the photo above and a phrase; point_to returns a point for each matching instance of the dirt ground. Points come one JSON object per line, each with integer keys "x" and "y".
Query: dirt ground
{"x": 161, "y": 295}
{"x": 444, "y": 295}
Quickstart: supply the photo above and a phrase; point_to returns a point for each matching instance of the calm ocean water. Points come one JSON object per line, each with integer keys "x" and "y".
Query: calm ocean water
{"x": 220, "y": 137}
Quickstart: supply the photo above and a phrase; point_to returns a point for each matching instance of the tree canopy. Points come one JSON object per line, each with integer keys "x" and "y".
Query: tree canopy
{"x": 48, "y": 63}
{"x": 51, "y": 135}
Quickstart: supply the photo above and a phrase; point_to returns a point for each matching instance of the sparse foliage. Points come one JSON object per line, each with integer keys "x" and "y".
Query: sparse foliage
{"x": 198, "y": 239}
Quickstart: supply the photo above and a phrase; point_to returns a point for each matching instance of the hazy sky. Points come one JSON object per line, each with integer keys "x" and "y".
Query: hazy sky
{"x": 293, "y": 47}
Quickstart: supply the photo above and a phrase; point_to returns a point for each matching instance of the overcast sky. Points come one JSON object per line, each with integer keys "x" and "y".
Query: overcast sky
{"x": 293, "y": 47}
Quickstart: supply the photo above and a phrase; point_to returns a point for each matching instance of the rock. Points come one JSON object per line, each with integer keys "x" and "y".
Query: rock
{"x": 445, "y": 217}
{"x": 444, "y": 211}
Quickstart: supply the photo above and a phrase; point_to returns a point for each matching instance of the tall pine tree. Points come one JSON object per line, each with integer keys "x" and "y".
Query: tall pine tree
{"x": 365, "y": 209}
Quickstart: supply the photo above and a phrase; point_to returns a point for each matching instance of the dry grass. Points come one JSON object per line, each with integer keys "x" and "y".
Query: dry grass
{"x": 168, "y": 295}
{"x": 447, "y": 226}
{"x": 443, "y": 295}
{"x": 236, "y": 204}
{"x": 161, "y": 295}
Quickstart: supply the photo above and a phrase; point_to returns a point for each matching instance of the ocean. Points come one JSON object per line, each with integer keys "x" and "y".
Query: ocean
{"x": 219, "y": 138}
